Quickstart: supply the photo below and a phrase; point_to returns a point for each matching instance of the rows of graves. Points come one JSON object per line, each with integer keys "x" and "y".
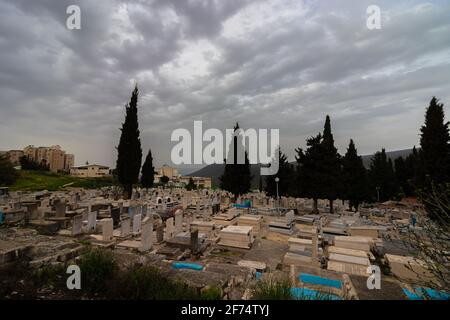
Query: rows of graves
{"x": 181, "y": 225}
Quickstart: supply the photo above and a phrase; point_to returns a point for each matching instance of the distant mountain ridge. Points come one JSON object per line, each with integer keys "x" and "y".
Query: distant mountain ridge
{"x": 216, "y": 170}
{"x": 390, "y": 154}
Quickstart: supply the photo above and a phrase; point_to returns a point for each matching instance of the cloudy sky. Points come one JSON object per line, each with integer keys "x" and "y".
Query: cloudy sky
{"x": 267, "y": 64}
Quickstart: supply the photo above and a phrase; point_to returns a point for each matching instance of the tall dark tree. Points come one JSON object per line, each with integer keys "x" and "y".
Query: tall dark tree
{"x": 129, "y": 151}
{"x": 382, "y": 177}
{"x": 406, "y": 172}
{"x": 191, "y": 185}
{"x": 413, "y": 169}
{"x": 237, "y": 176}
{"x": 164, "y": 180}
{"x": 148, "y": 171}
{"x": 8, "y": 175}
{"x": 27, "y": 163}
{"x": 354, "y": 176}
{"x": 285, "y": 174}
{"x": 310, "y": 170}
{"x": 435, "y": 144}
{"x": 331, "y": 186}
{"x": 402, "y": 176}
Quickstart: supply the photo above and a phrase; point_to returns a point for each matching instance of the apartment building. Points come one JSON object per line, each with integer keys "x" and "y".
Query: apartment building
{"x": 13, "y": 156}
{"x": 56, "y": 158}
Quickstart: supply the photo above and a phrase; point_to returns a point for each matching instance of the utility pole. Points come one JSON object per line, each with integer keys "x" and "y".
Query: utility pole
{"x": 278, "y": 197}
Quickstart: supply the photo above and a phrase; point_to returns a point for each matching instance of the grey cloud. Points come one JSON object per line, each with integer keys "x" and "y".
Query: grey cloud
{"x": 69, "y": 87}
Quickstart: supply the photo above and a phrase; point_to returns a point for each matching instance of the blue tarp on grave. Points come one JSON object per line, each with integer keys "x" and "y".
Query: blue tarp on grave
{"x": 316, "y": 280}
{"x": 425, "y": 294}
{"x": 309, "y": 294}
{"x": 185, "y": 265}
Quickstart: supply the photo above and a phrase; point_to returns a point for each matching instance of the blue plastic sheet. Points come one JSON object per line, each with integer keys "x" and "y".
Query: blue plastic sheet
{"x": 316, "y": 280}
{"x": 185, "y": 265}
{"x": 425, "y": 294}
{"x": 309, "y": 294}
{"x": 245, "y": 205}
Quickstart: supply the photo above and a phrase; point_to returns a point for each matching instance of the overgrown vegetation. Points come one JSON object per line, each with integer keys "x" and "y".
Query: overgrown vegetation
{"x": 211, "y": 293}
{"x": 101, "y": 278}
{"x": 148, "y": 283}
{"x": 270, "y": 289}
{"x": 98, "y": 269}
{"x": 50, "y": 275}
{"x": 283, "y": 289}
{"x": 29, "y": 180}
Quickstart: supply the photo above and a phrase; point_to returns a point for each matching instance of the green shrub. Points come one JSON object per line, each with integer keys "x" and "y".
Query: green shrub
{"x": 272, "y": 290}
{"x": 148, "y": 283}
{"x": 51, "y": 275}
{"x": 98, "y": 269}
{"x": 211, "y": 293}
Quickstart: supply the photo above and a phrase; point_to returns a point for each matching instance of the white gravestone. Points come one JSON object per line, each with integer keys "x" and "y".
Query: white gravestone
{"x": 137, "y": 221}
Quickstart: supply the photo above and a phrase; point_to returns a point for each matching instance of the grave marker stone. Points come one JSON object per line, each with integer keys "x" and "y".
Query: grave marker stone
{"x": 125, "y": 227}
{"x": 107, "y": 229}
{"x": 77, "y": 224}
{"x": 137, "y": 221}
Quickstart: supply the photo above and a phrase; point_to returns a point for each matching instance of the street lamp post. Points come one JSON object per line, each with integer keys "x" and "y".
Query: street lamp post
{"x": 278, "y": 197}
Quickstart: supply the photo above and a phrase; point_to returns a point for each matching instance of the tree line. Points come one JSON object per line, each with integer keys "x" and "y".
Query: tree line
{"x": 320, "y": 172}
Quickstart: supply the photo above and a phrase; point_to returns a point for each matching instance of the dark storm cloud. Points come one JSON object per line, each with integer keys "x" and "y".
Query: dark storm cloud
{"x": 267, "y": 64}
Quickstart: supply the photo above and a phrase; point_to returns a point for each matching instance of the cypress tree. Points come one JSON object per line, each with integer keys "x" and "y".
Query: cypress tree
{"x": 330, "y": 162}
{"x": 148, "y": 171}
{"x": 401, "y": 174}
{"x": 236, "y": 177}
{"x": 310, "y": 170}
{"x": 354, "y": 177}
{"x": 382, "y": 177}
{"x": 285, "y": 174}
{"x": 435, "y": 144}
{"x": 413, "y": 170}
{"x": 406, "y": 173}
{"x": 129, "y": 152}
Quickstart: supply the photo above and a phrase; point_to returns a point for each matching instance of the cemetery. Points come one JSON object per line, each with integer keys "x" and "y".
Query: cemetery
{"x": 209, "y": 239}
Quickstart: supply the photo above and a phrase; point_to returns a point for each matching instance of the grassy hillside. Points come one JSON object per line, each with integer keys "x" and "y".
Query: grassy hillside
{"x": 44, "y": 180}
